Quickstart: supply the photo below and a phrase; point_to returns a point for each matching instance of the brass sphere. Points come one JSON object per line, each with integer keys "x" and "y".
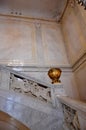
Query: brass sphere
{"x": 54, "y": 74}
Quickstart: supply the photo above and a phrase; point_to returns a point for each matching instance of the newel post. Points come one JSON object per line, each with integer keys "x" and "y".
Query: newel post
{"x": 5, "y": 79}
{"x": 56, "y": 91}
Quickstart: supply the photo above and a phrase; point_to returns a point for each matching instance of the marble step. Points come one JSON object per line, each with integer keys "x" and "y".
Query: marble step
{"x": 7, "y": 122}
{"x": 35, "y": 114}
{"x": 27, "y": 101}
{"x": 50, "y": 122}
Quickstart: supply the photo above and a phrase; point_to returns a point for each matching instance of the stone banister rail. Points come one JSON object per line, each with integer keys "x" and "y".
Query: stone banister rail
{"x": 74, "y": 113}
{"x": 21, "y": 83}
{"x": 21, "y": 75}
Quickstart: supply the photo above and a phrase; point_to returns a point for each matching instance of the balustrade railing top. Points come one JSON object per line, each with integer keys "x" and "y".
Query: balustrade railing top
{"x": 21, "y": 75}
{"x": 74, "y": 112}
{"x": 21, "y": 83}
{"x": 75, "y": 104}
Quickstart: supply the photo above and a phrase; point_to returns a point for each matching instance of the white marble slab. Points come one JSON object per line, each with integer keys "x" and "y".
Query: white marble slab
{"x": 35, "y": 114}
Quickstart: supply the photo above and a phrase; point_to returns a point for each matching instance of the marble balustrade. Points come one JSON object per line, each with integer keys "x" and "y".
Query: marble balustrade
{"x": 29, "y": 87}
{"x": 20, "y": 83}
{"x": 74, "y": 112}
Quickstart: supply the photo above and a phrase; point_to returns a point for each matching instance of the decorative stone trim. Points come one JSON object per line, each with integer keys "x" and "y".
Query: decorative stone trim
{"x": 82, "y": 3}
{"x": 70, "y": 118}
{"x": 79, "y": 62}
{"x": 28, "y": 87}
{"x": 74, "y": 112}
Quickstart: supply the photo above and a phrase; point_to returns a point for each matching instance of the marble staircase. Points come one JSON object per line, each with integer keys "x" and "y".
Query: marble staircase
{"x": 34, "y": 113}
{"x": 38, "y": 105}
{"x": 29, "y": 100}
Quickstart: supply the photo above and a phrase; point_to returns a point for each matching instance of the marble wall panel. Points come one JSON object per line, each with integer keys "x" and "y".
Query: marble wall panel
{"x": 80, "y": 74}
{"x": 17, "y": 40}
{"x": 70, "y": 85}
{"x": 73, "y": 34}
{"x": 54, "y": 50}
{"x": 31, "y": 43}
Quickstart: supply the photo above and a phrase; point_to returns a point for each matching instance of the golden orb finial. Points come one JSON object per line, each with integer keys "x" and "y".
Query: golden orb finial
{"x": 54, "y": 74}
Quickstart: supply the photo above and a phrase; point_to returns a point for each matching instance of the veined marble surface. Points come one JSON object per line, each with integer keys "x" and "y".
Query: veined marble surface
{"x": 36, "y": 43}
{"x": 33, "y": 113}
{"x": 79, "y": 119}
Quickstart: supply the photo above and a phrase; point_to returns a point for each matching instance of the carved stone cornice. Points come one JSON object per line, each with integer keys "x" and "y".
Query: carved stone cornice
{"x": 82, "y": 3}
{"x": 69, "y": 3}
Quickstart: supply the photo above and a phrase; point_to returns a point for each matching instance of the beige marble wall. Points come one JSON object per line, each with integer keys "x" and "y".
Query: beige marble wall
{"x": 30, "y": 42}
{"x": 17, "y": 42}
{"x": 54, "y": 51}
{"x": 26, "y": 42}
{"x": 74, "y": 31}
{"x": 80, "y": 74}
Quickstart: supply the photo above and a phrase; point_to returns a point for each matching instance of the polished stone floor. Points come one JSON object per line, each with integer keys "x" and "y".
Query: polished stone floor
{"x": 7, "y": 122}
{"x": 35, "y": 114}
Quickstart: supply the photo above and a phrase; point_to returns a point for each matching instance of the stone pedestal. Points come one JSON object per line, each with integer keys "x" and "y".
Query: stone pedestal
{"x": 57, "y": 90}
{"x": 5, "y": 79}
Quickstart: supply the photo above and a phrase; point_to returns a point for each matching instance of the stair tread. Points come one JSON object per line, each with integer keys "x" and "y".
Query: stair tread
{"x": 28, "y": 101}
{"x": 33, "y": 113}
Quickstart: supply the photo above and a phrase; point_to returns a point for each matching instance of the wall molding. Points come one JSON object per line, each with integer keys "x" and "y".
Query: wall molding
{"x": 27, "y": 17}
{"x": 79, "y": 62}
{"x": 39, "y": 68}
{"x": 73, "y": 68}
